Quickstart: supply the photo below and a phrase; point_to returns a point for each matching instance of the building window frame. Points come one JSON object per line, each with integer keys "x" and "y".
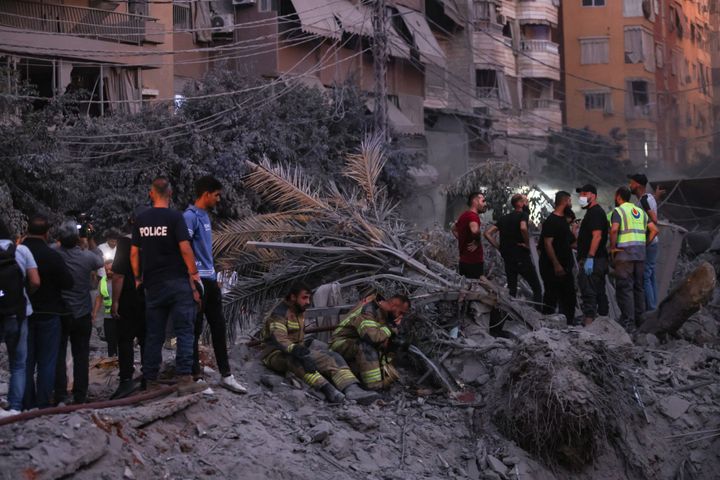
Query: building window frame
{"x": 586, "y": 42}
{"x": 598, "y": 100}
{"x": 593, "y": 3}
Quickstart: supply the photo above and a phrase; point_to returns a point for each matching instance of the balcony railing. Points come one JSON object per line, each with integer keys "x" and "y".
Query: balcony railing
{"x": 541, "y": 103}
{"x": 80, "y": 21}
{"x": 539, "y": 46}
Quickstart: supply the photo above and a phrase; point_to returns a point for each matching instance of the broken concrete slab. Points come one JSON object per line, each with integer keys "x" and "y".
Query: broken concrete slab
{"x": 319, "y": 432}
{"x": 607, "y": 330}
{"x": 496, "y": 465}
{"x": 674, "y": 406}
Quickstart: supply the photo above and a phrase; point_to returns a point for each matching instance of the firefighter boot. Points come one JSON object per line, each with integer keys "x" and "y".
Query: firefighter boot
{"x": 357, "y": 394}
{"x": 332, "y": 394}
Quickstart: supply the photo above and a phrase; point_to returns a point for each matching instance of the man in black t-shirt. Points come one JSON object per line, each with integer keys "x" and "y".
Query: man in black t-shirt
{"x": 169, "y": 277}
{"x": 592, "y": 255}
{"x": 556, "y": 260}
{"x": 514, "y": 247}
{"x": 128, "y": 308}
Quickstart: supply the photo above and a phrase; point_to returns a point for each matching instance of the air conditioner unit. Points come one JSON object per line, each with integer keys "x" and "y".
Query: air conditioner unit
{"x": 224, "y": 23}
{"x": 243, "y": 2}
{"x": 500, "y": 19}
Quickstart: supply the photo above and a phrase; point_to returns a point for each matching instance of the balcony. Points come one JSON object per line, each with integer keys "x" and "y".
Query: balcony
{"x": 492, "y": 48}
{"x": 539, "y": 59}
{"x": 541, "y": 12}
{"x": 80, "y": 21}
{"x": 540, "y": 115}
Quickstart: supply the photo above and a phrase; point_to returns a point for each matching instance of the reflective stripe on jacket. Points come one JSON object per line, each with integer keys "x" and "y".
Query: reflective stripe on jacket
{"x": 107, "y": 299}
{"x": 633, "y": 225}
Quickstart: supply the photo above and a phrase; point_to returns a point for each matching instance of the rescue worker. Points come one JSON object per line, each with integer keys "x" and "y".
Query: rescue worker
{"x": 104, "y": 301}
{"x": 284, "y": 351}
{"x": 365, "y": 336}
{"x": 630, "y": 232}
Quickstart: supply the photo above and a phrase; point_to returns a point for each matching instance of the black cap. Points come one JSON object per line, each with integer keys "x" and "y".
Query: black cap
{"x": 639, "y": 178}
{"x": 587, "y": 188}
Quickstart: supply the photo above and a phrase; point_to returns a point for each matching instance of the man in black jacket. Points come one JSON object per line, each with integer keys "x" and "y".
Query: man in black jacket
{"x": 44, "y": 324}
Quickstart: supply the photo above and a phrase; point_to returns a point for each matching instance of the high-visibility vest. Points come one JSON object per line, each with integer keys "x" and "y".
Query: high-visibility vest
{"x": 633, "y": 225}
{"x": 107, "y": 300}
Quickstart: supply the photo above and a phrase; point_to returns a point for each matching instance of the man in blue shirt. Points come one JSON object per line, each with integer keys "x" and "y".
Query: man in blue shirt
{"x": 207, "y": 196}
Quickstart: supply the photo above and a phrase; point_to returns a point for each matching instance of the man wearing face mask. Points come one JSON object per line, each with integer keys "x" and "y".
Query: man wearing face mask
{"x": 592, "y": 255}
{"x": 514, "y": 246}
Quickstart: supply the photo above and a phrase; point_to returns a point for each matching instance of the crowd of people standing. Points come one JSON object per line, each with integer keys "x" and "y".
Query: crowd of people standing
{"x": 159, "y": 269}
{"x": 573, "y": 254}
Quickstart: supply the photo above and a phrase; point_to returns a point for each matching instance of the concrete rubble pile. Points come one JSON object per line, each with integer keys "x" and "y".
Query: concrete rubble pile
{"x": 541, "y": 401}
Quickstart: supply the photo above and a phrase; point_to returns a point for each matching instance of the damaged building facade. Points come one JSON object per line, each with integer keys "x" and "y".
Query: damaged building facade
{"x": 466, "y": 82}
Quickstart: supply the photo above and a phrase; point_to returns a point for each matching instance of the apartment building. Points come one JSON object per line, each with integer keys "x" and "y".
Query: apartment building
{"x": 642, "y": 69}
{"x": 122, "y": 52}
{"x": 497, "y": 96}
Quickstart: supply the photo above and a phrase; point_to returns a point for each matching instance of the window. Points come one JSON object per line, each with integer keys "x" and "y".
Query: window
{"x": 640, "y": 94}
{"x": 493, "y": 84}
{"x": 598, "y": 101}
{"x": 659, "y": 55}
{"x": 640, "y": 47}
{"x": 594, "y": 50}
{"x": 593, "y": 3}
{"x": 265, "y": 6}
{"x": 639, "y": 98}
{"x": 633, "y": 8}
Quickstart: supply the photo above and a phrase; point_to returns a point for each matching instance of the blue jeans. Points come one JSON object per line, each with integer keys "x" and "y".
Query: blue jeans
{"x": 171, "y": 299}
{"x": 13, "y": 329}
{"x": 43, "y": 346}
{"x": 649, "y": 282}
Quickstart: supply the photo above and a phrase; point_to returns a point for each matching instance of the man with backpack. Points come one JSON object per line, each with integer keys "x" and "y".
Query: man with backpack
{"x": 16, "y": 266}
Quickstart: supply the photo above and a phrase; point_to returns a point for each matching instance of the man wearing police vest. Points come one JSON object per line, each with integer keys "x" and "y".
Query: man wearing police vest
{"x": 630, "y": 232}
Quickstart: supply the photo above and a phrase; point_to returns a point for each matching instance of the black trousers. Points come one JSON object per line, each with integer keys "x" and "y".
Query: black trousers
{"x": 471, "y": 270}
{"x": 110, "y": 329}
{"x": 130, "y": 326}
{"x": 213, "y": 311}
{"x": 520, "y": 263}
{"x": 559, "y": 292}
{"x": 77, "y": 331}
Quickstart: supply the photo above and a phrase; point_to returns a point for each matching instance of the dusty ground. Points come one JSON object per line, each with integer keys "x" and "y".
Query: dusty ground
{"x": 282, "y": 431}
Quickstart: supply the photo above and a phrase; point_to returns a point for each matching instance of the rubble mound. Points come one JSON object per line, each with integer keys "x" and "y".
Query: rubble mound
{"x": 563, "y": 396}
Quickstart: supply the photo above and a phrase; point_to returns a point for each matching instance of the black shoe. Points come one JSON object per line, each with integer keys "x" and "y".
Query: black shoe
{"x": 332, "y": 394}
{"x": 125, "y": 389}
{"x": 357, "y": 394}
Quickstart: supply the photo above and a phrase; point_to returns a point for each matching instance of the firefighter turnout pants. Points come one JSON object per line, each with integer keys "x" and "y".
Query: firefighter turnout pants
{"x": 330, "y": 365}
{"x": 365, "y": 361}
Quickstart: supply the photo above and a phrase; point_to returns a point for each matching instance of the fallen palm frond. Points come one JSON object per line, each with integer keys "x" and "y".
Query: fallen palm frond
{"x": 326, "y": 234}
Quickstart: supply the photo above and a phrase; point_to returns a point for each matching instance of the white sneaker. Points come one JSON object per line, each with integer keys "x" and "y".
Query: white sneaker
{"x": 208, "y": 391}
{"x": 8, "y": 413}
{"x": 233, "y": 385}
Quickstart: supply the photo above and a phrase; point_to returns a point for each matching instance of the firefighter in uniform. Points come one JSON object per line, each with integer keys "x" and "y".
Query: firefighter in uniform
{"x": 365, "y": 336}
{"x": 284, "y": 351}
{"x": 630, "y": 232}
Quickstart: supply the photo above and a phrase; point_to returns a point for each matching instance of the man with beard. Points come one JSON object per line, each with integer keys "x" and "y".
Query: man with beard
{"x": 365, "y": 336}
{"x": 556, "y": 259}
{"x": 285, "y": 351}
{"x": 514, "y": 246}
{"x": 592, "y": 255}
{"x": 467, "y": 231}
{"x": 646, "y": 201}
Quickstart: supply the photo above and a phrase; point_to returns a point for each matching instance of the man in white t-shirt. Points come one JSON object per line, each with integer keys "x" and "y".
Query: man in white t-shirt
{"x": 13, "y": 324}
{"x": 646, "y": 201}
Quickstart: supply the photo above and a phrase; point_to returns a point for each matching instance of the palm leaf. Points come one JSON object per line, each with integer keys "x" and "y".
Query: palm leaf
{"x": 365, "y": 167}
{"x": 285, "y": 188}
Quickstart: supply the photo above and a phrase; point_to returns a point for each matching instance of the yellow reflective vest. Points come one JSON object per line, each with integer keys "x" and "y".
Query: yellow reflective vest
{"x": 633, "y": 225}
{"x": 107, "y": 299}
